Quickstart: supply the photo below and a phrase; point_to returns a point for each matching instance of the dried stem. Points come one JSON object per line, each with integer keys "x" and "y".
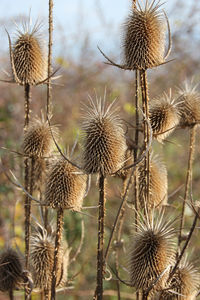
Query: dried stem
{"x": 136, "y": 192}
{"x": 188, "y": 181}
{"x": 145, "y": 105}
{"x": 185, "y": 245}
{"x": 11, "y": 295}
{"x": 100, "y": 246}
{"x": 123, "y": 202}
{"x": 49, "y": 93}
{"x": 27, "y": 207}
{"x": 121, "y": 222}
{"x": 60, "y": 221}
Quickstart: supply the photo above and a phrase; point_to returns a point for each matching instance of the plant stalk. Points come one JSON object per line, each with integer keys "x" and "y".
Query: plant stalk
{"x": 59, "y": 230}
{"x": 100, "y": 246}
{"x": 188, "y": 181}
{"x": 145, "y": 106}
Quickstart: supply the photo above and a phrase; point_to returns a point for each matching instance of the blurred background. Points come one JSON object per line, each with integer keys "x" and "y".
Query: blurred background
{"x": 79, "y": 26}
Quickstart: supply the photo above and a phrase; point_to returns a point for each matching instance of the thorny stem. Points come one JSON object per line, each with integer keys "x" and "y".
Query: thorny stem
{"x": 27, "y": 97}
{"x": 123, "y": 202}
{"x": 188, "y": 181}
{"x": 136, "y": 192}
{"x": 49, "y": 94}
{"x": 27, "y": 208}
{"x": 100, "y": 246}
{"x": 60, "y": 216}
{"x": 145, "y": 105}
{"x": 121, "y": 222}
{"x": 185, "y": 246}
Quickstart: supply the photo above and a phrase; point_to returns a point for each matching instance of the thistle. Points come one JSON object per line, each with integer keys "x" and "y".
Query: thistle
{"x": 189, "y": 106}
{"x": 38, "y": 142}
{"x": 152, "y": 254}
{"x": 164, "y": 116}
{"x": 144, "y": 37}
{"x": 158, "y": 183}
{"x": 42, "y": 258}
{"x": 184, "y": 284}
{"x": 11, "y": 269}
{"x": 28, "y": 56}
{"x": 65, "y": 187}
{"x": 104, "y": 139}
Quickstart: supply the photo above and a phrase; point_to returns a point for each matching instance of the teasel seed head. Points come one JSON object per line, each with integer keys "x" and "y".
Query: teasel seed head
{"x": 144, "y": 38}
{"x": 104, "y": 139}
{"x": 28, "y": 56}
{"x": 65, "y": 187}
{"x": 158, "y": 183}
{"x": 152, "y": 253}
{"x": 184, "y": 284}
{"x": 42, "y": 258}
{"x": 164, "y": 116}
{"x": 11, "y": 269}
{"x": 189, "y": 105}
{"x": 38, "y": 141}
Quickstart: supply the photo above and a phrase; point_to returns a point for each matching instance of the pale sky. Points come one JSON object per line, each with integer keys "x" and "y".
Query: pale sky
{"x": 101, "y": 19}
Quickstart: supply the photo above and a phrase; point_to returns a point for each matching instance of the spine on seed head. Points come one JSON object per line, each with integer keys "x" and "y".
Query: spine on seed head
{"x": 189, "y": 105}
{"x": 164, "y": 116}
{"x": 144, "y": 37}
{"x": 42, "y": 258}
{"x": 29, "y": 57}
{"x": 11, "y": 270}
{"x": 158, "y": 183}
{"x": 104, "y": 139}
{"x": 152, "y": 254}
{"x": 65, "y": 186}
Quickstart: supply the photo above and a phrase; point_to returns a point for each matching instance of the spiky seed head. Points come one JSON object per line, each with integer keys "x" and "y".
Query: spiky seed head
{"x": 42, "y": 258}
{"x": 158, "y": 183}
{"x": 65, "y": 187}
{"x": 152, "y": 253}
{"x": 11, "y": 268}
{"x": 144, "y": 37}
{"x": 104, "y": 139}
{"x": 189, "y": 105}
{"x": 29, "y": 56}
{"x": 38, "y": 141}
{"x": 164, "y": 116}
{"x": 184, "y": 284}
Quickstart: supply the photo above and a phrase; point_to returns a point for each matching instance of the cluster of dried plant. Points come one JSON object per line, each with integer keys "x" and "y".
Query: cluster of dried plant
{"x": 54, "y": 180}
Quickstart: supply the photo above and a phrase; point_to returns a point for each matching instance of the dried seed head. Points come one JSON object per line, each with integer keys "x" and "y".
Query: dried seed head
{"x": 65, "y": 187}
{"x": 184, "y": 284}
{"x": 29, "y": 57}
{"x": 144, "y": 40}
{"x": 11, "y": 269}
{"x": 158, "y": 182}
{"x": 42, "y": 258}
{"x": 38, "y": 141}
{"x": 189, "y": 105}
{"x": 104, "y": 139}
{"x": 164, "y": 116}
{"x": 152, "y": 253}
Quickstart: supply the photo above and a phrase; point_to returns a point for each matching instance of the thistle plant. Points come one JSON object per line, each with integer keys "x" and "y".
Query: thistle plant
{"x": 164, "y": 116}
{"x": 152, "y": 254}
{"x": 65, "y": 189}
{"x": 42, "y": 259}
{"x": 104, "y": 153}
{"x": 189, "y": 109}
